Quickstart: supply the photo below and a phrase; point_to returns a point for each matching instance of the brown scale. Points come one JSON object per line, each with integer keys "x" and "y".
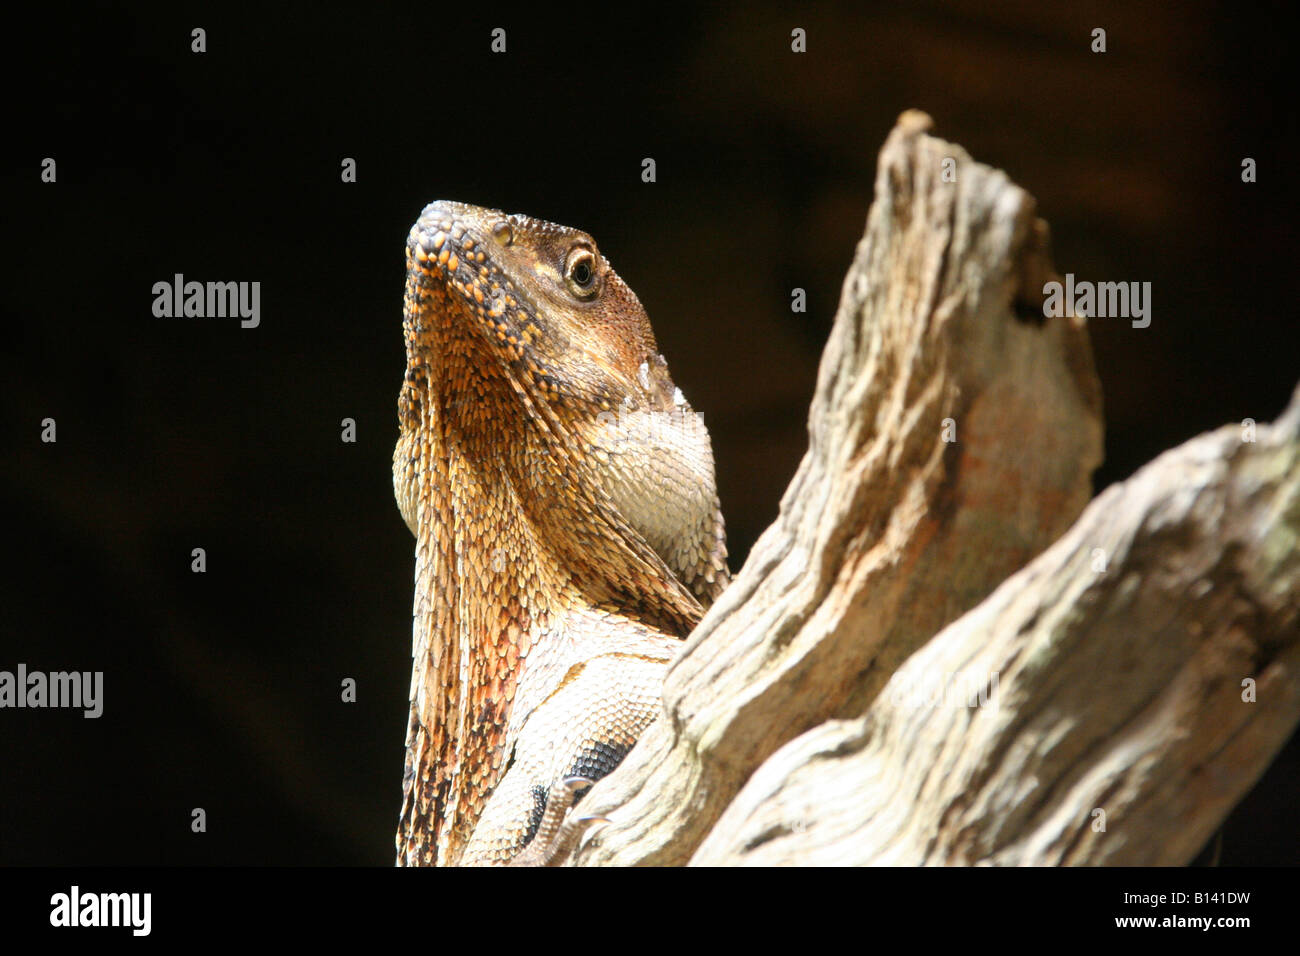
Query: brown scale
{"x": 533, "y": 516}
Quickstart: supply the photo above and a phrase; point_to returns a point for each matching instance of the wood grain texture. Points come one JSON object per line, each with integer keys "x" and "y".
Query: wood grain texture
{"x": 888, "y": 532}
{"x": 1124, "y": 725}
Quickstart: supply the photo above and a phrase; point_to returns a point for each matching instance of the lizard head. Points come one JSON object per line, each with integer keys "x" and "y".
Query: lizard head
{"x": 545, "y": 303}
{"x": 523, "y": 333}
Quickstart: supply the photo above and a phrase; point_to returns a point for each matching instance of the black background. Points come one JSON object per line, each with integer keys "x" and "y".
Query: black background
{"x": 222, "y": 689}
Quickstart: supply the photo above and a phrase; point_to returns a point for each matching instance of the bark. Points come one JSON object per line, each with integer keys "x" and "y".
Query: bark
{"x": 952, "y": 438}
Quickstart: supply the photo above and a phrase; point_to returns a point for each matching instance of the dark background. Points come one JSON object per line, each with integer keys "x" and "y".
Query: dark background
{"x": 222, "y": 689}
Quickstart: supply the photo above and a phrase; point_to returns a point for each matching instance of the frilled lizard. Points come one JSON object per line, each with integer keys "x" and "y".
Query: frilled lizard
{"x": 568, "y": 534}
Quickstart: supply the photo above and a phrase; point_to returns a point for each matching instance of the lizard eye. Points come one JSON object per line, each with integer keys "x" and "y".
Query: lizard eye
{"x": 580, "y": 273}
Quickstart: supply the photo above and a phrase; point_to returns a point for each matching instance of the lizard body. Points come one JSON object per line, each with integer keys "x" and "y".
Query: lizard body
{"x": 568, "y": 534}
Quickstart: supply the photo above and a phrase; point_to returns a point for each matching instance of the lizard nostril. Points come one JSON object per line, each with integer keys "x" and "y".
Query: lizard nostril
{"x": 503, "y": 234}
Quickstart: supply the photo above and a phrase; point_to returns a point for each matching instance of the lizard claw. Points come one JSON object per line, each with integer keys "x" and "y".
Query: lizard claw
{"x": 558, "y": 834}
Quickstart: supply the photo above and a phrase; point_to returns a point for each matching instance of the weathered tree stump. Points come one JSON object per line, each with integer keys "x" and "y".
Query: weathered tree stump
{"x": 952, "y": 439}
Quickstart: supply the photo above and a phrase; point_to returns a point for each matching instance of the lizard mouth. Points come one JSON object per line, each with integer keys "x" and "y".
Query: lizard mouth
{"x": 472, "y": 276}
{"x": 453, "y": 250}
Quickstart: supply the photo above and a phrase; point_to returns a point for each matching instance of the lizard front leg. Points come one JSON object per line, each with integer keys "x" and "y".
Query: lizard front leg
{"x": 582, "y": 730}
{"x": 560, "y": 831}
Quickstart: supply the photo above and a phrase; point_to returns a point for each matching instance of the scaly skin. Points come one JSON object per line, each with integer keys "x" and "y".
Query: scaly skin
{"x": 568, "y": 534}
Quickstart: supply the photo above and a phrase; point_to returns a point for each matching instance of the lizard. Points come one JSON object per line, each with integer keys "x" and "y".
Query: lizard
{"x": 568, "y": 534}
